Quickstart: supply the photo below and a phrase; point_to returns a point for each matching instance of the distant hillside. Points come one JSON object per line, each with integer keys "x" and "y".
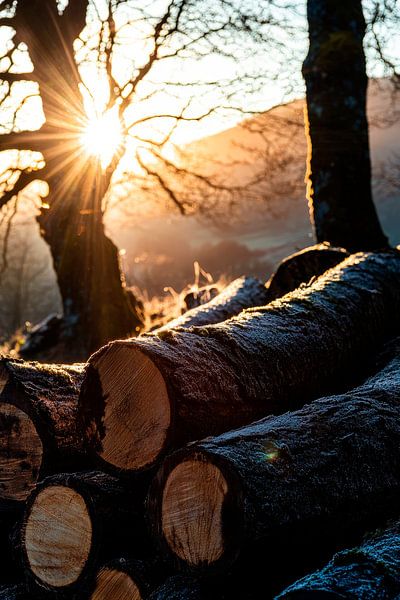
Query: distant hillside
{"x": 160, "y": 250}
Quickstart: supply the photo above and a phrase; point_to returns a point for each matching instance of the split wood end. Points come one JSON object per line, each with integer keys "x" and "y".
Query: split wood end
{"x": 21, "y": 453}
{"x": 137, "y": 411}
{"x": 192, "y": 504}
{"x": 58, "y": 536}
{"x": 115, "y": 584}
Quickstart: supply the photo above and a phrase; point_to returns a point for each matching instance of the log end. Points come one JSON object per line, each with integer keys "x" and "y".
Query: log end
{"x": 21, "y": 453}
{"x": 132, "y": 421}
{"x": 113, "y": 583}
{"x": 58, "y": 536}
{"x": 194, "y": 499}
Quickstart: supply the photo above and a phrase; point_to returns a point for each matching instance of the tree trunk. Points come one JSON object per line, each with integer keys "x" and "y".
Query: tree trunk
{"x": 339, "y": 169}
{"x": 244, "y": 292}
{"x": 142, "y": 397}
{"x": 301, "y": 267}
{"x": 369, "y": 571}
{"x": 39, "y": 432}
{"x": 285, "y": 489}
{"x": 95, "y": 304}
{"x": 58, "y": 555}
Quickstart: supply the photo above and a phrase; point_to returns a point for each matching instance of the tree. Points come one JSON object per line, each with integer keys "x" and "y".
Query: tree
{"x": 65, "y": 42}
{"x": 339, "y": 168}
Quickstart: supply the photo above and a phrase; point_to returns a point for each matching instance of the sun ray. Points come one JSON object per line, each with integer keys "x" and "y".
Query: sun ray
{"x": 102, "y": 136}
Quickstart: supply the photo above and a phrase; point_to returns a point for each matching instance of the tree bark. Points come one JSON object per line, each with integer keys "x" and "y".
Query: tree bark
{"x": 339, "y": 170}
{"x": 14, "y": 592}
{"x": 285, "y": 490}
{"x": 242, "y": 293}
{"x": 370, "y": 571}
{"x": 39, "y": 431}
{"x": 96, "y": 306}
{"x": 58, "y": 556}
{"x": 180, "y": 587}
{"x": 142, "y": 397}
{"x": 301, "y": 267}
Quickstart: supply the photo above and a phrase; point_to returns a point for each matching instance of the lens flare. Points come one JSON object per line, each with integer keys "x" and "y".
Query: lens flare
{"x": 103, "y": 136}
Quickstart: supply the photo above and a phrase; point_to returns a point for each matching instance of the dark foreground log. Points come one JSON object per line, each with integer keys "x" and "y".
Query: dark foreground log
{"x": 327, "y": 471}
{"x": 72, "y": 522}
{"x": 141, "y": 397}
{"x": 301, "y": 267}
{"x": 14, "y": 592}
{"x": 242, "y": 293}
{"x": 38, "y": 424}
{"x": 370, "y": 571}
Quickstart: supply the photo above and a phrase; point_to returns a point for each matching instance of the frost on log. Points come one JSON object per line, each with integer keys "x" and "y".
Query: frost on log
{"x": 327, "y": 471}
{"x": 141, "y": 397}
{"x": 39, "y": 434}
{"x": 242, "y": 293}
{"x": 74, "y": 521}
{"x": 369, "y": 571}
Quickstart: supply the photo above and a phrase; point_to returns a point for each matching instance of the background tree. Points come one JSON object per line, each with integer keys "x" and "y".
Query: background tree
{"x": 71, "y": 45}
{"x": 339, "y": 168}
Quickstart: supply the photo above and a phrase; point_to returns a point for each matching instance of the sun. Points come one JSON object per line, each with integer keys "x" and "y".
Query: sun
{"x": 103, "y": 136}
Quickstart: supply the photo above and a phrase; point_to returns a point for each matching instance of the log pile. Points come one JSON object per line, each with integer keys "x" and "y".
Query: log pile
{"x": 109, "y": 491}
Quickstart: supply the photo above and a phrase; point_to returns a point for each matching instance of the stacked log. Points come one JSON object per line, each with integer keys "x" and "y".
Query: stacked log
{"x": 73, "y": 522}
{"x": 124, "y": 579}
{"x": 301, "y": 267}
{"x": 328, "y": 471}
{"x": 242, "y": 293}
{"x": 144, "y": 396}
{"x": 39, "y": 432}
{"x": 369, "y": 571}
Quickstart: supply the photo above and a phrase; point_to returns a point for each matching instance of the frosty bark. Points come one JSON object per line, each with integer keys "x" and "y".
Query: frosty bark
{"x": 242, "y": 293}
{"x": 180, "y": 587}
{"x": 141, "y": 397}
{"x": 39, "y": 433}
{"x": 369, "y": 571}
{"x": 74, "y": 521}
{"x": 301, "y": 267}
{"x": 333, "y": 465}
{"x": 14, "y": 592}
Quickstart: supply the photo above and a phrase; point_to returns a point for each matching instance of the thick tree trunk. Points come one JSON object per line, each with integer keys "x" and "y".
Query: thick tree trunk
{"x": 72, "y": 522}
{"x": 96, "y": 306}
{"x": 339, "y": 169}
{"x": 301, "y": 267}
{"x": 326, "y": 472}
{"x": 39, "y": 432}
{"x": 141, "y": 397}
{"x": 242, "y": 293}
{"x": 370, "y": 571}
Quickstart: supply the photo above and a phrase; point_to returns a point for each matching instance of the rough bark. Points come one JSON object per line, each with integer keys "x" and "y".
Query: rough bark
{"x": 39, "y": 431}
{"x": 369, "y": 571}
{"x": 301, "y": 267}
{"x": 339, "y": 169}
{"x": 141, "y": 397}
{"x": 95, "y": 304}
{"x": 14, "y": 592}
{"x": 287, "y": 489}
{"x": 84, "y": 520}
{"x": 180, "y": 587}
{"x": 242, "y": 293}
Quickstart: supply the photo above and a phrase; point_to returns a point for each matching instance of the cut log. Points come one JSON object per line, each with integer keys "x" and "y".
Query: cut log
{"x": 242, "y": 293}
{"x": 39, "y": 434}
{"x": 123, "y": 579}
{"x": 327, "y": 471}
{"x": 143, "y": 396}
{"x": 301, "y": 267}
{"x": 72, "y": 521}
{"x": 369, "y": 571}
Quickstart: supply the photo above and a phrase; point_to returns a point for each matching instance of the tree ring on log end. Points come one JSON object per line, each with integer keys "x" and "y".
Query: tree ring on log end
{"x": 192, "y": 511}
{"x": 58, "y": 535}
{"x": 21, "y": 453}
{"x": 137, "y": 412}
{"x": 112, "y": 583}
